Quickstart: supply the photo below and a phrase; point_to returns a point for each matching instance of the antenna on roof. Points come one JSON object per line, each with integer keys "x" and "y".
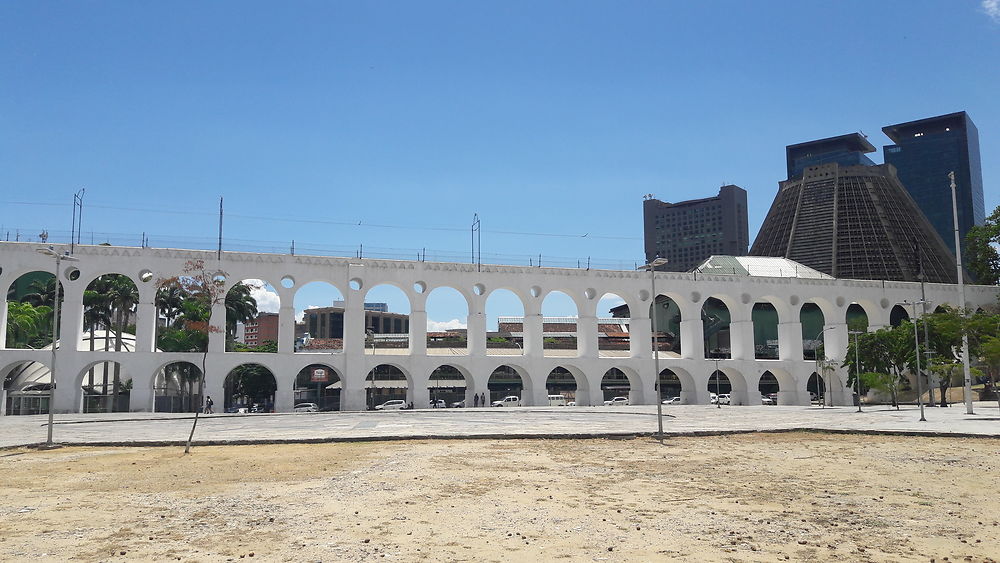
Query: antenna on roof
{"x": 862, "y": 133}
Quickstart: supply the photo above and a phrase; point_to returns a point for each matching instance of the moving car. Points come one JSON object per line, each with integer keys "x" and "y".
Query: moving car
{"x": 769, "y": 399}
{"x": 557, "y": 401}
{"x": 439, "y": 404}
{"x": 672, "y": 401}
{"x": 393, "y": 405}
{"x": 306, "y": 407}
{"x": 508, "y": 401}
{"x": 616, "y": 402}
{"x": 724, "y": 399}
{"x": 458, "y": 404}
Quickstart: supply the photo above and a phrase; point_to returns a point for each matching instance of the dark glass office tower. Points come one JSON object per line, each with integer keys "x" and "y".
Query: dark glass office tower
{"x": 925, "y": 151}
{"x": 845, "y": 150}
{"x": 852, "y": 221}
{"x": 688, "y": 232}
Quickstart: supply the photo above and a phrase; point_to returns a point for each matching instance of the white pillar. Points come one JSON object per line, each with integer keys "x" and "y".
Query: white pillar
{"x": 217, "y": 338}
{"x": 692, "y": 340}
{"x": 284, "y": 398}
{"x": 145, "y": 327}
{"x": 3, "y": 325}
{"x": 141, "y": 397}
{"x": 476, "y": 333}
{"x": 71, "y": 317}
{"x": 741, "y": 343}
{"x": 586, "y": 337}
{"x": 640, "y": 337}
{"x": 418, "y": 333}
{"x": 353, "y": 399}
{"x": 790, "y": 341}
{"x": 286, "y": 329}
{"x": 532, "y": 328}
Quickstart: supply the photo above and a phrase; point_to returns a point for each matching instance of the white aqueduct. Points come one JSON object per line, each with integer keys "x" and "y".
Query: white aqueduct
{"x": 353, "y": 277}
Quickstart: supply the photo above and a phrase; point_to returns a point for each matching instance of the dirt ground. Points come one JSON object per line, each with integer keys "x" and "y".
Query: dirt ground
{"x": 750, "y": 497}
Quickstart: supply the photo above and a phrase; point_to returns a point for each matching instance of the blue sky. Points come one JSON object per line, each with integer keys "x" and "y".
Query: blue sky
{"x": 389, "y": 124}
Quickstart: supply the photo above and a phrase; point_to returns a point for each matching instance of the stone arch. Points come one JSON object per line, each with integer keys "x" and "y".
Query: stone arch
{"x": 568, "y": 381}
{"x": 323, "y": 321}
{"x": 110, "y": 393}
{"x": 28, "y": 326}
{"x": 388, "y": 381}
{"x": 447, "y": 335}
{"x": 897, "y": 315}
{"x": 857, "y": 318}
{"x": 318, "y": 383}
{"x": 617, "y": 382}
{"x": 559, "y": 331}
{"x": 765, "y": 319}
{"x": 508, "y": 379}
{"x": 778, "y": 385}
{"x": 716, "y": 318}
{"x": 28, "y": 387}
{"x": 731, "y": 382}
{"x": 817, "y": 388}
{"x": 110, "y": 304}
{"x": 678, "y": 382}
{"x": 250, "y": 387}
{"x": 449, "y": 383}
{"x": 508, "y": 338}
{"x": 873, "y": 312}
{"x": 812, "y": 317}
{"x": 254, "y": 303}
{"x": 390, "y": 329}
{"x": 666, "y": 325}
{"x": 177, "y": 387}
{"x": 613, "y": 335}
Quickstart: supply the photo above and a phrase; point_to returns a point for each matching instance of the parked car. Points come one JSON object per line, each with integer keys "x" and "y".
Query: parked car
{"x": 616, "y": 402}
{"x": 393, "y": 405}
{"x": 769, "y": 399}
{"x": 557, "y": 401}
{"x": 571, "y": 404}
{"x": 714, "y": 400}
{"x": 439, "y": 404}
{"x": 724, "y": 399}
{"x": 672, "y": 401}
{"x": 508, "y": 401}
{"x": 306, "y": 407}
{"x": 458, "y": 404}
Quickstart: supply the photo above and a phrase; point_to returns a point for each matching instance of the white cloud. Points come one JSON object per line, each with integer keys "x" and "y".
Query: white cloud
{"x": 267, "y": 299}
{"x": 441, "y": 326}
{"x": 992, "y": 9}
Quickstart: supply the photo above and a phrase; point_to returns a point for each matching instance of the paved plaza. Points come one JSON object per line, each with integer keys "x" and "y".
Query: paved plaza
{"x": 162, "y": 428}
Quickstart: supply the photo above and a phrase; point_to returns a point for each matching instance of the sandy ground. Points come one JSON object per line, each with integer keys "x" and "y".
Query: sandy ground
{"x": 751, "y": 497}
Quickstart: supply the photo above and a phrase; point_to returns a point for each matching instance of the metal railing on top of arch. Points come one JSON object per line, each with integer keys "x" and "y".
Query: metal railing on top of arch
{"x": 178, "y": 241}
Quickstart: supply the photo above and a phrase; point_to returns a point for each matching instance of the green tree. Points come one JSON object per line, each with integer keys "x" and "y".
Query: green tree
{"x": 980, "y": 254}
{"x": 991, "y": 357}
{"x": 28, "y": 326}
{"x": 240, "y": 308}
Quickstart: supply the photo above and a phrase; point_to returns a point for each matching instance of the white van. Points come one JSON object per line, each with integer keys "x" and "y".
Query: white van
{"x": 557, "y": 401}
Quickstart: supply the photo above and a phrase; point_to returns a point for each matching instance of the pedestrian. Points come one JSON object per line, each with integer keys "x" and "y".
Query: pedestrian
{"x": 482, "y": 399}
{"x": 208, "y": 405}
{"x": 475, "y": 400}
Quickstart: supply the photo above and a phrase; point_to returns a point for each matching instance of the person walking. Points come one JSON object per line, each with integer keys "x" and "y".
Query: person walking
{"x": 208, "y": 405}
{"x": 475, "y": 400}
{"x": 482, "y": 400}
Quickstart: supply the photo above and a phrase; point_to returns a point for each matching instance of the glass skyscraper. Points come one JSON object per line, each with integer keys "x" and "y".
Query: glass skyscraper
{"x": 925, "y": 151}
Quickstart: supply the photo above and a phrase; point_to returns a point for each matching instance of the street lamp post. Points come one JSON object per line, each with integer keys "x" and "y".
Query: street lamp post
{"x": 55, "y": 335}
{"x": 961, "y": 298}
{"x": 651, "y": 266}
{"x": 370, "y": 333}
{"x": 916, "y": 349}
{"x": 857, "y": 365}
{"x": 819, "y": 368}
{"x": 718, "y": 395}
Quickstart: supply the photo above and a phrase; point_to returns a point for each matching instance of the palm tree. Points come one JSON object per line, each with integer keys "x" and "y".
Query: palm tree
{"x": 240, "y": 308}
{"x": 43, "y": 292}
{"x": 26, "y": 324}
{"x": 169, "y": 301}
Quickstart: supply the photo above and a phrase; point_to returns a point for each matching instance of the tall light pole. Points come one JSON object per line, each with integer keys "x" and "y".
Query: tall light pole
{"x": 961, "y": 298}
{"x": 718, "y": 395}
{"x": 651, "y": 266}
{"x": 820, "y": 368}
{"x": 916, "y": 350}
{"x": 857, "y": 365}
{"x": 55, "y": 334}
{"x": 371, "y": 333}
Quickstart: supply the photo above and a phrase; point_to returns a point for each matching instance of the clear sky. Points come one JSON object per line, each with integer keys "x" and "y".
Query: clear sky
{"x": 390, "y": 124}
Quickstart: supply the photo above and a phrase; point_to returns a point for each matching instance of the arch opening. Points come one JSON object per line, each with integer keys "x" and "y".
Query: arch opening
{"x": 765, "y": 331}
{"x": 856, "y": 318}
{"x": 897, "y": 315}
{"x": 560, "y": 381}
{"x": 505, "y": 381}
{"x": 106, "y": 388}
{"x": 560, "y": 321}
{"x": 715, "y": 320}
{"x": 386, "y": 383}
{"x": 671, "y": 387}
{"x": 505, "y": 311}
{"x": 720, "y": 388}
{"x": 769, "y": 388}
{"x": 816, "y": 386}
{"x": 616, "y": 383}
{"x": 249, "y": 388}
{"x": 446, "y": 387}
{"x": 252, "y": 307}
{"x": 613, "y": 338}
{"x": 447, "y": 322}
{"x": 28, "y": 388}
{"x": 30, "y": 310}
{"x": 665, "y": 324}
{"x": 813, "y": 323}
{"x": 177, "y": 387}
{"x": 387, "y": 318}
{"x": 319, "y": 307}
{"x": 319, "y": 384}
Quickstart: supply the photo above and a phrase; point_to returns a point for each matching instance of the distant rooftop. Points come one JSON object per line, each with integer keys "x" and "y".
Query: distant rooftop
{"x": 758, "y": 266}
{"x": 903, "y": 131}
